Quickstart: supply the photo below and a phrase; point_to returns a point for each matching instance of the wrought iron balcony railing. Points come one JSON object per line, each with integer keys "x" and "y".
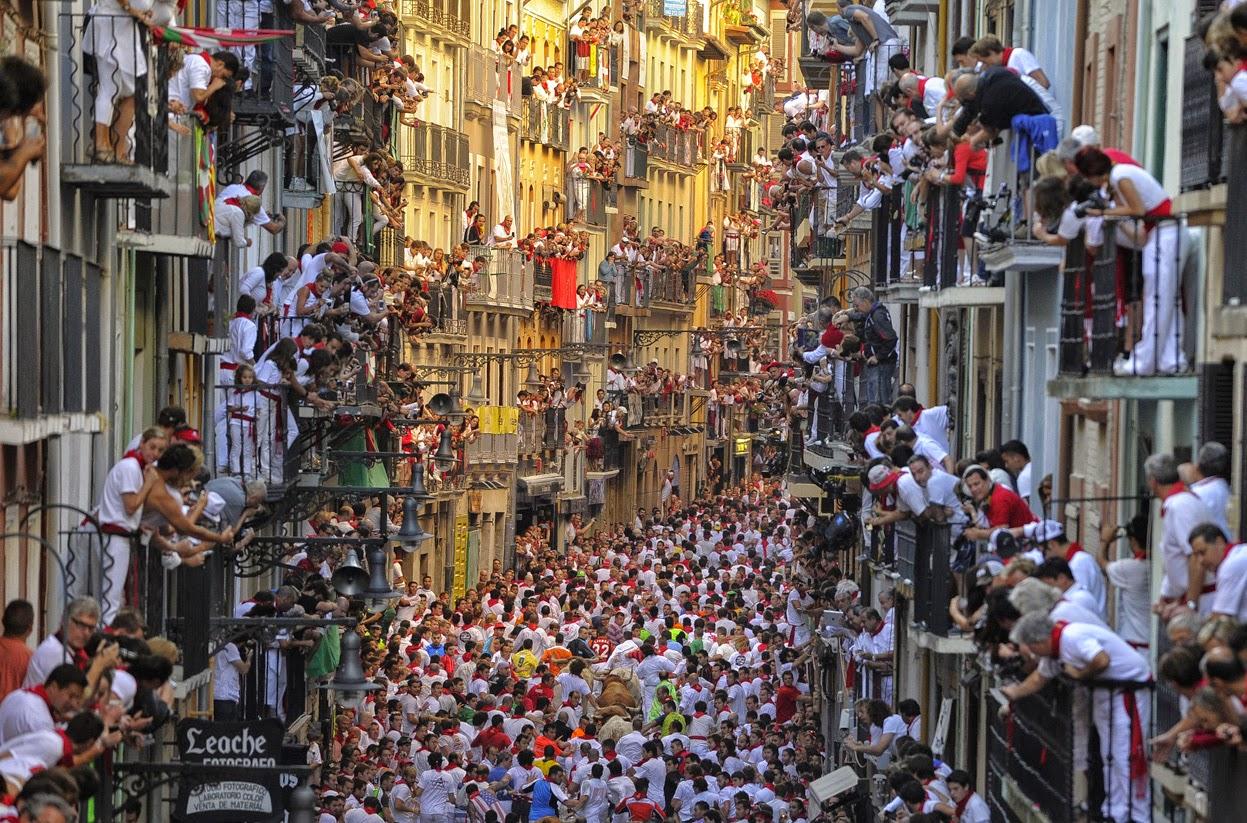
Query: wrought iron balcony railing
{"x": 675, "y": 145}
{"x": 505, "y": 282}
{"x": 1163, "y": 328}
{"x": 436, "y": 153}
{"x": 493, "y": 80}
{"x": 115, "y": 142}
{"x": 546, "y": 123}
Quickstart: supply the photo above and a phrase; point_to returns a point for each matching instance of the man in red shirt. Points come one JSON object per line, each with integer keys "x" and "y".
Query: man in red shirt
{"x": 1002, "y": 508}
{"x": 787, "y": 696}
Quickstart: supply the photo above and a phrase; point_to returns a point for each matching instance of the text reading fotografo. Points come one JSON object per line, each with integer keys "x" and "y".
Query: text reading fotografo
{"x": 243, "y": 779}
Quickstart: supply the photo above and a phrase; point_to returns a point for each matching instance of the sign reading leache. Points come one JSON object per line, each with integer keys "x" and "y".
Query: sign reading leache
{"x": 252, "y": 791}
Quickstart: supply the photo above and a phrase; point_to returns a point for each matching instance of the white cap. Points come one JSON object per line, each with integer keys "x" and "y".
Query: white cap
{"x": 1043, "y": 531}
{"x": 125, "y": 687}
{"x": 1086, "y": 135}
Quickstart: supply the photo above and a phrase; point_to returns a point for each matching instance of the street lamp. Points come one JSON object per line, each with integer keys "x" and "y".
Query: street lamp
{"x": 476, "y": 394}
{"x": 532, "y": 379}
{"x": 349, "y": 685}
{"x": 378, "y": 594}
{"x": 411, "y": 534}
{"x": 445, "y": 455}
{"x": 349, "y": 579}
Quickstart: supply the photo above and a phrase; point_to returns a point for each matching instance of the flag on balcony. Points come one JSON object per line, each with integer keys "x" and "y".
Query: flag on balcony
{"x": 216, "y": 39}
{"x": 563, "y": 283}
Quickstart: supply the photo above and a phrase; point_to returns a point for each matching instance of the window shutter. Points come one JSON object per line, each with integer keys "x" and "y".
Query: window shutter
{"x": 1216, "y": 391}
{"x": 779, "y": 36}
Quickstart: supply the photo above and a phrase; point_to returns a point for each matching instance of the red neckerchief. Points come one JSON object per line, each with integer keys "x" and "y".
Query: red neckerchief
{"x": 963, "y": 802}
{"x": 1057, "y": 629}
{"x": 876, "y": 632}
{"x": 871, "y": 430}
{"x": 1176, "y": 488}
{"x": 1138, "y": 756}
{"x": 135, "y": 454}
{"x": 241, "y": 314}
{"x": 311, "y": 287}
{"x": 42, "y": 694}
{"x": 1074, "y": 548}
{"x": 1229, "y": 549}
{"x": 247, "y": 186}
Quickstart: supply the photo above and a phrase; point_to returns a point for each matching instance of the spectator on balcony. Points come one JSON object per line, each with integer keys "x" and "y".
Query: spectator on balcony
{"x": 925, "y": 446}
{"x": 881, "y": 39}
{"x": 880, "y": 343}
{"x": 1137, "y": 194}
{"x": 1184, "y": 582}
{"x": 1207, "y": 478}
{"x": 925, "y": 94}
{"x": 129, "y": 484}
{"x": 1211, "y": 548}
{"x": 476, "y": 234}
{"x": 989, "y": 51}
{"x": 353, "y": 174}
{"x": 989, "y": 103}
{"x": 995, "y": 506}
{"x": 253, "y": 186}
{"x": 265, "y": 282}
{"x": 22, "y": 87}
{"x": 969, "y": 804}
{"x": 200, "y": 79}
{"x": 503, "y": 234}
{"x": 1089, "y": 653}
{"x": 233, "y": 217}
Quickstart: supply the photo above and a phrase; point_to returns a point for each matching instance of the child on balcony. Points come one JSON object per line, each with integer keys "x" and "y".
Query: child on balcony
{"x": 235, "y": 420}
{"x": 1231, "y": 77}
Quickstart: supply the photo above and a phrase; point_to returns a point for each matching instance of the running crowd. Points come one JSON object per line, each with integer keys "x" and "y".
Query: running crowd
{"x": 656, "y": 671}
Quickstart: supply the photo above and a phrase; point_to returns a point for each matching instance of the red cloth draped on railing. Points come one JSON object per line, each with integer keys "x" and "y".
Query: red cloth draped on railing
{"x": 563, "y": 284}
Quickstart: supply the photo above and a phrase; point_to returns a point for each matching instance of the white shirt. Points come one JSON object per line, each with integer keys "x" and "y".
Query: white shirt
{"x": 1134, "y": 605}
{"x": 23, "y": 756}
{"x": 252, "y": 283}
{"x": 1215, "y": 493}
{"x": 1231, "y": 596}
{"x": 23, "y": 712}
{"x": 1087, "y": 574}
{"x": 126, "y": 477}
{"x": 1082, "y": 642}
{"x": 1023, "y": 483}
{"x": 1077, "y": 594}
{"x": 933, "y": 422}
{"x": 226, "y": 684}
{"x": 976, "y": 810}
{"x": 1022, "y": 61}
{"x": 1148, "y": 188}
{"x": 930, "y": 449}
{"x": 242, "y": 335}
{"x": 402, "y": 791}
{"x": 437, "y": 792}
{"x": 196, "y": 73}
{"x": 240, "y": 190}
{"x": 1180, "y": 514}
{"x": 48, "y": 655}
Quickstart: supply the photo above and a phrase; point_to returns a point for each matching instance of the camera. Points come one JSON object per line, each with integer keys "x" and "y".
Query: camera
{"x": 1095, "y": 201}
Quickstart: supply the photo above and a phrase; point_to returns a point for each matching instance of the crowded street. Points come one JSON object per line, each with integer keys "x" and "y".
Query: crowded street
{"x": 653, "y": 411}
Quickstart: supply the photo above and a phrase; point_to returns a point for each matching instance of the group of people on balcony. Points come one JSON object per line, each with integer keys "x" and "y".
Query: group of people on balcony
{"x": 88, "y": 687}
{"x": 1037, "y": 601}
{"x": 595, "y": 43}
{"x": 670, "y": 131}
{"x": 934, "y": 146}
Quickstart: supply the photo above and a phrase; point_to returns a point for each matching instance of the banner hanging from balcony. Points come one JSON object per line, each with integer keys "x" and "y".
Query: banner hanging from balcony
{"x": 674, "y": 8}
{"x": 216, "y": 39}
{"x": 258, "y": 792}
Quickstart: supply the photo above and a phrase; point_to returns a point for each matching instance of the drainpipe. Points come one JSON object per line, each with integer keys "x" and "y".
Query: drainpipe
{"x": 51, "y": 217}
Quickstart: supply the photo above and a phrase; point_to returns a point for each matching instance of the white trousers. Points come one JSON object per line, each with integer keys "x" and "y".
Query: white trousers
{"x": 240, "y": 14}
{"x": 115, "y": 568}
{"x": 1125, "y": 801}
{"x": 1159, "y": 349}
